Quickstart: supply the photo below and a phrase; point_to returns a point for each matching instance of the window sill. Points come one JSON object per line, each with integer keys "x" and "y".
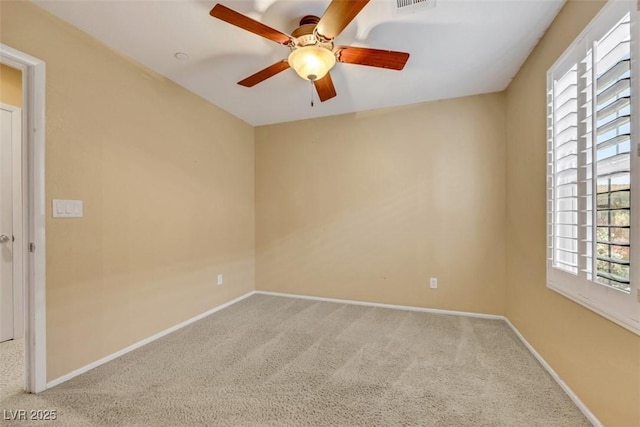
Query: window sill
{"x": 628, "y": 324}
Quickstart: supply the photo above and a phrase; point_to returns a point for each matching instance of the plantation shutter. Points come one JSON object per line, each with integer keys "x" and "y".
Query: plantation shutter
{"x": 592, "y": 168}
{"x": 612, "y": 153}
{"x": 564, "y": 170}
{"x": 590, "y": 121}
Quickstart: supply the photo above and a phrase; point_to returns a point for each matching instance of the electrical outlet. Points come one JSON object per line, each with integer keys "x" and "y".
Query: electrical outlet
{"x": 433, "y": 283}
{"x": 219, "y": 279}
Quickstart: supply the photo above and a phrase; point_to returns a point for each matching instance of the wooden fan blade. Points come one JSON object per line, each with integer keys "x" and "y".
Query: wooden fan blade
{"x": 325, "y": 88}
{"x": 239, "y": 20}
{"x": 337, "y": 17}
{"x": 372, "y": 57}
{"x": 263, "y": 75}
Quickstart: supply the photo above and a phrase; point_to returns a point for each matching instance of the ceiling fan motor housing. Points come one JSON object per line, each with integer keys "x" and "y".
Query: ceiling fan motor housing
{"x": 305, "y": 34}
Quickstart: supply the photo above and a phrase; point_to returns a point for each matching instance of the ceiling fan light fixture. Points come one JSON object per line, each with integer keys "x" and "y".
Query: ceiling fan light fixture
{"x": 312, "y": 62}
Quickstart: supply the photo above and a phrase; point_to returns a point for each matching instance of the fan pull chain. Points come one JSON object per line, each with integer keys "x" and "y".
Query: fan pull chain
{"x": 311, "y": 81}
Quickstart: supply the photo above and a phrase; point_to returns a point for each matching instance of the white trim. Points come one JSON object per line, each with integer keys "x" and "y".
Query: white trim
{"x": 380, "y": 305}
{"x": 33, "y": 174}
{"x": 145, "y": 341}
{"x": 578, "y": 299}
{"x": 17, "y": 219}
{"x": 574, "y": 397}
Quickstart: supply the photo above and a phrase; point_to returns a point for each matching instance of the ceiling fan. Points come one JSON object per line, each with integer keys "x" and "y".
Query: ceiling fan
{"x": 313, "y": 53}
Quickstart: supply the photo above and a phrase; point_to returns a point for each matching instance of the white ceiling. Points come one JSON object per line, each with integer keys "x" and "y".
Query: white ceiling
{"x": 458, "y": 48}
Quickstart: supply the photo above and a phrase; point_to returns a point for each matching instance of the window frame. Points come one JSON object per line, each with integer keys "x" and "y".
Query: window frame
{"x": 616, "y": 305}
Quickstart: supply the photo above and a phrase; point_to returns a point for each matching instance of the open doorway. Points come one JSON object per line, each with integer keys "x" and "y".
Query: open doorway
{"x": 22, "y": 222}
{"x": 12, "y": 366}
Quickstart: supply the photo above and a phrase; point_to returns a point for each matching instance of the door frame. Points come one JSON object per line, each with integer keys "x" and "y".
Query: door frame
{"x": 33, "y": 214}
{"x": 17, "y": 219}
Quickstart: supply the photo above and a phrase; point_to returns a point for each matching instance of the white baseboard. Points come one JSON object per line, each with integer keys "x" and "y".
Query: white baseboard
{"x": 376, "y": 304}
{"x": 579, "y": 403}
{"x": 145, "y": 341}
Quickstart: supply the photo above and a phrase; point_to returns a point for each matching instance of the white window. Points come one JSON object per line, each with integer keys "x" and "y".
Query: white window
{"x": 593, "y": 179}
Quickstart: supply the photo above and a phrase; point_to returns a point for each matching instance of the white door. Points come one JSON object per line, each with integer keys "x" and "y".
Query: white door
{"x": 9, "y": 129}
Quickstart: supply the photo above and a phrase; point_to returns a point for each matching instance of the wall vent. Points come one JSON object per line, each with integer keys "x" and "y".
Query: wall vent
{"x": 413, "y": 6}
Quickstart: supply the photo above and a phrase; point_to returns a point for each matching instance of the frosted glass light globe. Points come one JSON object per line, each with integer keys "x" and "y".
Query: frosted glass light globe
{"x": 312, "y": 62}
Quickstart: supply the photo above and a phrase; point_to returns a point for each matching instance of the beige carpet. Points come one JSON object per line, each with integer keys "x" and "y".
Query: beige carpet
{"x": 11, "y": 368}
{"x": 279, "y": 361}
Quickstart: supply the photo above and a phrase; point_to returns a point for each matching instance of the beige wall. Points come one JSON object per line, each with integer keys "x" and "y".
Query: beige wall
{"x": 362, "y": 206}
{"x": 368, "y": 206}
{"x": 599, "y": 360}
{"x": 10, "y": 86}
{"x": 167, "y": 182}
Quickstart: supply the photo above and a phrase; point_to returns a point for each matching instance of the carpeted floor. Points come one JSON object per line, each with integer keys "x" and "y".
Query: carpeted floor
{"x": 11, "y": 368}
{"x": 278, "y": 361}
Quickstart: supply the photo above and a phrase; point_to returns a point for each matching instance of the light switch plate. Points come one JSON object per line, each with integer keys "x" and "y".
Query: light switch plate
{"x": 67, "y": 208}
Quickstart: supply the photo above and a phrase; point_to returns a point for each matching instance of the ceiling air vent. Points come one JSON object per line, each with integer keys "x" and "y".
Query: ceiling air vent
{"x": 413, "y": 6}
